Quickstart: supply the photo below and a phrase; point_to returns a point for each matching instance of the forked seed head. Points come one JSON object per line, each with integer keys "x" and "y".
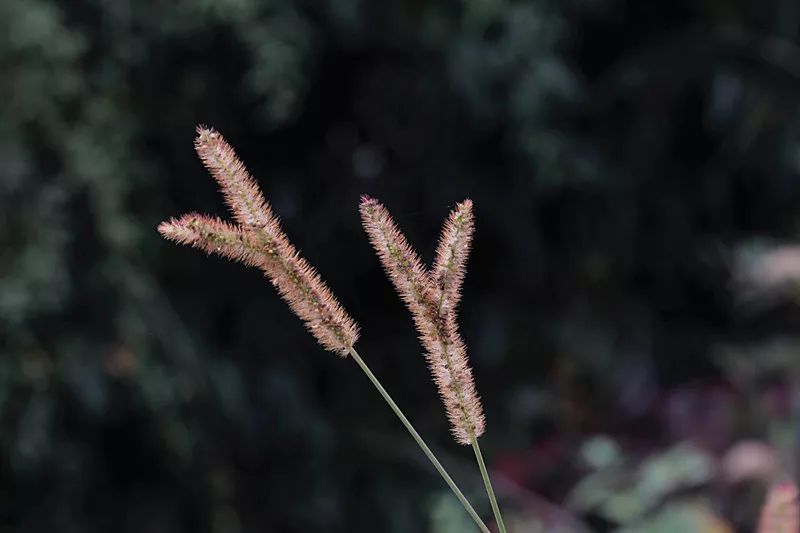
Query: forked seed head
{"x": 438, "y": 332}
{"x": 259, "y": 241}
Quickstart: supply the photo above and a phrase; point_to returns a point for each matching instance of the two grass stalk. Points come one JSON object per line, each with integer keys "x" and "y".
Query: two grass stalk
{"x": 256, "y": 239}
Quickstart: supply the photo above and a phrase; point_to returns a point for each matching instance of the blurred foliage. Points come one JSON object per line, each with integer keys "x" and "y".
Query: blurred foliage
{"x": 635, "y": 171}
{"x": 625, "y": 499}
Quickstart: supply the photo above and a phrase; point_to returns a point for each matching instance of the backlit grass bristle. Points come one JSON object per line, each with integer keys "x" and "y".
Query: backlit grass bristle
{"x": 424, "y": 294}
{"x": 258, "y": 240}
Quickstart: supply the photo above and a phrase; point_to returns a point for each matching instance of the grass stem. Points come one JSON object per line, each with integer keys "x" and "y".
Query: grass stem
{"x": 488, "y": 483}
{"x": 421, "y": 442}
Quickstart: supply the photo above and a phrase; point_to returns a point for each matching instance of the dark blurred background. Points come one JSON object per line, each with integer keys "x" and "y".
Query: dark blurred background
{"x": 631, "y": 306}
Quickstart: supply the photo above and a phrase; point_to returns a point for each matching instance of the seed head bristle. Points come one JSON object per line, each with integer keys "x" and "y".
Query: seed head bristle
{"x": 241, "y": 193}
{"x": 452, "y": 252}
{"x": 399, "y": 260}
{"x": 307, "y": 295}
{"x": 780, "y": 513}
{"x": 437, "y": 328}
{"x": 259, "y": 241}
{"x": 213, "y": 236}
{"x": 453, "y": 376}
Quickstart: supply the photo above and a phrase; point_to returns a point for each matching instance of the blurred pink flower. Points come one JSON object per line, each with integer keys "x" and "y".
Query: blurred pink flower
{"x": 765, "y": 271}
{"x": 749, "y": 460}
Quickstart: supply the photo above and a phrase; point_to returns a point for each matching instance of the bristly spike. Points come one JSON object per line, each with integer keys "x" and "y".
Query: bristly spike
{"x": 400, "y": 261}
{"x": 259, "y": 241}
{"x": 308, "y": 296}
{"x": 436, "y": 325}
{"x": 241, "y": 193}
{"x": 452, "y": 252}
{"x": 213, "y": 236}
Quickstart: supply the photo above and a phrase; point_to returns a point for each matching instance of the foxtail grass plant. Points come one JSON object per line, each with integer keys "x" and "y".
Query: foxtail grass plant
{"x": 256, "y": 239}
{"x": 432, "y": 297}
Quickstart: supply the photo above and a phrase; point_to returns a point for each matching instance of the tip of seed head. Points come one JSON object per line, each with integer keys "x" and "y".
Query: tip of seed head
{"x": 368, "y": 200}
{"x": 202, "y": 129}
{"x": 168, "y": 228}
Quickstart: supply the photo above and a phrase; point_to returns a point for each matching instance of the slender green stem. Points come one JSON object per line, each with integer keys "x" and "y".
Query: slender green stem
{"x": 488, "y": 483}
{"x": 420, "y": 442}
